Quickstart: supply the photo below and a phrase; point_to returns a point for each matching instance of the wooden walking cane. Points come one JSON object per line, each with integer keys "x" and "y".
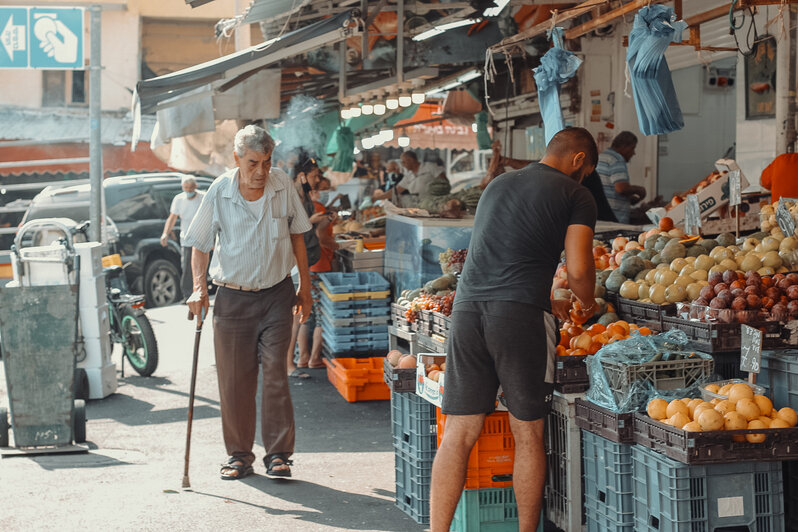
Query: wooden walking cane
{"x": 186, "y": 483}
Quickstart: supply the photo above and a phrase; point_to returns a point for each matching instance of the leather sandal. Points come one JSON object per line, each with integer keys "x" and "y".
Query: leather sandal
{"x": 276, "y": 460}
{"x": 237, "y": 465}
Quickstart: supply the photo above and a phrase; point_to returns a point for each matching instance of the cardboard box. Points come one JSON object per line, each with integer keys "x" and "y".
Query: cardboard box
{"x": 710, "y": 198}
{"x": 723, "y": 221}
{"x": 433, "y": 391}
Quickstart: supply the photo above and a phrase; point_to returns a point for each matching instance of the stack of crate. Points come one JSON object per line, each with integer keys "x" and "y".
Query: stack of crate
{"x": 354, "y": 313}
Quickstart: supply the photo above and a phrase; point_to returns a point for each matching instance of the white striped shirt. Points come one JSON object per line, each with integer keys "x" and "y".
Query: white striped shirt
{"x": 251, "y": 251}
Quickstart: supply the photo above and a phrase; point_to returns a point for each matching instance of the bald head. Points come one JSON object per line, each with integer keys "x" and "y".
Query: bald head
{"x": 573, "y": 152}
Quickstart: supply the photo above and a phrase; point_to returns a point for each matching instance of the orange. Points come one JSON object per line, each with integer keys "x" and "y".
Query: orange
{"x": 666, "y": 224}
{"x": 755, "y": 438}
{"x": 740, "y": 391}
{"x": 623, "y": 324}
{"x": 677, "y": 407}
{"x": 596, "y": 328}
{"x": 788, "y": 415}
{"x": 645, "y": 331}
{"x": 594, "y": 348}
{"x": 657, "y": 408}
{"x": 765, "y": 405}
{"x": 561, "y": 351}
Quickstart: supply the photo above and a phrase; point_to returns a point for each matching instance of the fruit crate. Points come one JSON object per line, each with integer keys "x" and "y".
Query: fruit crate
{"x": 714, "y": 447}
{"x": 414, "y": 426}
{"x": 779, "y": 376}
{"x": 673, "y": 497}
{"x": 423, "y": 322}
{"x": 791, "y": 495}
{"x": 662, "y": 374}
{"x": 490, "y": 464}
{"x": 360, "y": 353}
{"x": 404, "y": 341}
{"x": 563, "y": 441}
{"x": 570, "y": 374}
{"x": 716, "y": 337}
{"x": 607, "y": 468}
{"x": 614, "y": 426}
{"x": 358, "y": 379}
{"x": 413, "y": 486}
{"x": 376, "y": 308}
{"x": 374, "y": 342}
{"x": 399, "y": 380}
{"x": 441, "y": 323}
{"x": 487, "y": 510}
{"x": 727, "y": 365}
{"x": 649, "y": 314}
{"x": 354, "y": 324}
{"x": 432, "y": 344}
{"x": 399, "y": 318}
{"x": 347, "y": 283}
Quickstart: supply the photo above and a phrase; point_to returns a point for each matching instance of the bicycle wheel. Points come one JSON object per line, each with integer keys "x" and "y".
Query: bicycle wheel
{"x": 139, "y": 343}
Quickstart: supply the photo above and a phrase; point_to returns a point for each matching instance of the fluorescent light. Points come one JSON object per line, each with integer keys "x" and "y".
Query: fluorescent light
{"x": 497, "y": 9}
{"x": 403, "y": 141}
{"x": 468, "y": 76}
{"x": 418, "y": 97}
{"x": 437, "y": 30}
{"x": 405, "y": 100}
{"x": 354, "y": 111}
{"x": 368, "y": 109}
{"x": 392, "y": 103}
{"x": 464, "y": 78}
{"x": 346, "y": 114}
{"x": 379, "y": 109}
{"x": 367, "y": 143}
{"x": 474, "y": 127}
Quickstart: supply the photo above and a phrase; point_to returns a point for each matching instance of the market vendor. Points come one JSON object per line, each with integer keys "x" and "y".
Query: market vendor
{"x": 614, "y": 173}
{"x": 256, "y": 221}
{"x": 503, "y": 328}
{"x": 417, "y": 177}
{"x": 781, "y": 177}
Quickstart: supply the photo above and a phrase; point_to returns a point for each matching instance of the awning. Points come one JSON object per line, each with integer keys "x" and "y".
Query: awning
{"x": 226, "y": 72}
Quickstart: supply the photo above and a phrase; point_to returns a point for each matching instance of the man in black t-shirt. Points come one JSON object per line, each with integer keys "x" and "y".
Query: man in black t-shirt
{"x": 503, "y": 331}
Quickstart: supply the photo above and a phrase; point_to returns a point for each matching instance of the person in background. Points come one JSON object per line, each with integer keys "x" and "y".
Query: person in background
{"x": 614, "y": 173}
{"x": 184, "y": 206}
{"x": 416, "y": 179}
{"x": 504, "y": 330}
{"x": 781, "y": 177}
{"x": 257, "y": 223}
{"x": 393, "y": 175}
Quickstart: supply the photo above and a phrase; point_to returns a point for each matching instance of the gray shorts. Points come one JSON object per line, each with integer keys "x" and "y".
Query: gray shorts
{"x": 500, "y": 342}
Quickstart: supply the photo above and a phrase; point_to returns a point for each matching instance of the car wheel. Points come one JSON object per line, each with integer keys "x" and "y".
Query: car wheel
{"x": 161, "y": 283}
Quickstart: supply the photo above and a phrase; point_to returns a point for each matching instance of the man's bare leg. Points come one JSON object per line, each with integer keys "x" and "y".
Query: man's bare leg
{"x": 529, "y": 471}
{"x": 315, "y": 352}
{"x": 449, "y": 468}
{"x": 290, "y": 355}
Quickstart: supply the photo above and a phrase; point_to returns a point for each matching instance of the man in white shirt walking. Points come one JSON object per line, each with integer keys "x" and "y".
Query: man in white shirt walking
{"x": 184, "y": 206}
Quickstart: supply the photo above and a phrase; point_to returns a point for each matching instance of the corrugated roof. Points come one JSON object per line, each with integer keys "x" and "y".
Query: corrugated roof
{"x": 49, "y": 124}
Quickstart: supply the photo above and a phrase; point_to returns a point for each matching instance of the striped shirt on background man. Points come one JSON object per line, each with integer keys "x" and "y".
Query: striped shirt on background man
{"x": 612, "y": 169}
{"x": 256, "y": 251}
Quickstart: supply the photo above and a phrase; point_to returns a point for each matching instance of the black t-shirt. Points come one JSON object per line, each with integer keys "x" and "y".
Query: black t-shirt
{"x": 519, "y": 234}
{"x": 593, "y": 183}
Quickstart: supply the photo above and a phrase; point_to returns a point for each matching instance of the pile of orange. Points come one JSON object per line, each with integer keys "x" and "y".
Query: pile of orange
{"x": 575, "y": 341}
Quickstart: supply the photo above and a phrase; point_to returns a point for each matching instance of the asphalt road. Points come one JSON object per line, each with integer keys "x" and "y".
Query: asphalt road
{"x": 131, "y": 478}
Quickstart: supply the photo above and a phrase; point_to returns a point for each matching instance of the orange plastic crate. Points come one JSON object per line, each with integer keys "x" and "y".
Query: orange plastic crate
{"x": 490, "y": 464}
{"x": 358, "y": 379}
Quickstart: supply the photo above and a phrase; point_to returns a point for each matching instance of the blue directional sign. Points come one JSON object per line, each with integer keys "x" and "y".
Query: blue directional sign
{"x": 41, "y": 37}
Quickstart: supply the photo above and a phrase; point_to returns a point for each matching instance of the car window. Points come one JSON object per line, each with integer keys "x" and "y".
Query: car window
{"x": 79, "y": 213}
{"x": 133, "y": 204}
{"x": 165, "y": 194}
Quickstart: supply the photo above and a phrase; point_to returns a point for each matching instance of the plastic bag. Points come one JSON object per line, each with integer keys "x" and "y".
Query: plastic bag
{"x": 556, "y": 67}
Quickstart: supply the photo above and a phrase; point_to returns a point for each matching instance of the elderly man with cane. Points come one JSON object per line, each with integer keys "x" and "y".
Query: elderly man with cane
{"x": 255, "y": 219}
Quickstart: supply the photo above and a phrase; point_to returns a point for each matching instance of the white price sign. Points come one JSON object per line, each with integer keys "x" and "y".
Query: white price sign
{"x": 735, "y": 193}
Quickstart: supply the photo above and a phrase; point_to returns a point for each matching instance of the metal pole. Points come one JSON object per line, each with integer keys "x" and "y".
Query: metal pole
{"x": 95, "y": 120}
{"x": 783, "y": 68}
{"x": 400, "y": 41}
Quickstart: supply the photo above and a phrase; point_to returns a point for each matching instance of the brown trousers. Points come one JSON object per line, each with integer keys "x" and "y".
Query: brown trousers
{"x": 248, "y": 328}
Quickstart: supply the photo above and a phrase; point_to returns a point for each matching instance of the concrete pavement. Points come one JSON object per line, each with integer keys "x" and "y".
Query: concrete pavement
{"x": 130, "y": 480}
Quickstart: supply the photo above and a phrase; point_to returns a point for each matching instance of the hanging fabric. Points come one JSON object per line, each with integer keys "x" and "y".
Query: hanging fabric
{"x": 658, "y": 110}
{"x": 556, "y": 67}
{"x": 344, "y": 156}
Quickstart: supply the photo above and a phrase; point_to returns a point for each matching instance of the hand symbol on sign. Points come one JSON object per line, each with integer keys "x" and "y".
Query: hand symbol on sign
{"x": 56, "y": 40}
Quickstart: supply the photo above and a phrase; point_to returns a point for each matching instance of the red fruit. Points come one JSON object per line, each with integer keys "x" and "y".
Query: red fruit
{"x": 741, "y": 276}
{"x": 754, "y": 302}
{"x": 773, "y": 293}
{"x": 779, "y": 312}
{"x": 778, "y": 277}
{"x": 768, "y": 302}
{"x": 718, "y": 303}
{"x": 784, "y": 284}
{"x": 738, "y": 292}
{"x": 737, "y": 284}
{"x": 751, "y": 289}
{"x": 707, "y": 293}
{"x": 701, "y": 301}
{"x": 792, "y": 292}
{"x": 792, "y": 308}
{"x": 750, "y": 277}
{"x": 726, "y": 295}
{"x": 793, "y": 277}
{"x": 739, "y": 303}
{"x": 715, "y": 278}
{"x": 729, "y": 276}
{"x": 720, "y": 287}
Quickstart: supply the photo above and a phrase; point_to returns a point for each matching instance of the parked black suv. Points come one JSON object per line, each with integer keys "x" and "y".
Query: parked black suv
{"x": 138, "y": 205}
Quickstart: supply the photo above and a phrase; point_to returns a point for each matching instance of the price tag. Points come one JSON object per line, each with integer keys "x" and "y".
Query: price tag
{"x": 784, "y": 219}
{"x": 692, "y": 215}
{"x": 735, "y": 194}
{"x": 750, "y": 349}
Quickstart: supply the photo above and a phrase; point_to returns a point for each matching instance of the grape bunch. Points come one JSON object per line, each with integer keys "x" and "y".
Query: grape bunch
{"x": 452, "y": 260}
{"x": 442, "y": 304}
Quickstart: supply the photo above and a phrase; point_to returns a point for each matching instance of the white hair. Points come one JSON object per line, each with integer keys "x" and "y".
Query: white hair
{"x": 188, "y": 179}
{"x": 253, "y": 138}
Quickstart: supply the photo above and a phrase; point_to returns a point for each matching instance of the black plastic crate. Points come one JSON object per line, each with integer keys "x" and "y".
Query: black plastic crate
{"x": 570, "y": 369}
{"x": 643, "y": 314}
{"x": 430, "y": 344}
{"x": 399, "y": 380}
{"x": 614, "y": 426}
{"x": 716, "y": 337}
{"x": 791, "y": 495}
{"x": 727, "y": 365}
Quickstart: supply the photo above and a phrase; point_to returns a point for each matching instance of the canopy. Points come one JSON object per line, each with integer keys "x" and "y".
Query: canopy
{"x": 658, "y": 110}
{"x": 556, "y": 67}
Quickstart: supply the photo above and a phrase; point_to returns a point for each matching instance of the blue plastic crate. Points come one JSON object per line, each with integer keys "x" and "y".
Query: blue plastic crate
{"x": 414, "y": 426}
{"x": 598, "y": 519}
{"x": 344, "y": 283}
{"x": 355, "y": 305}
{"x": 354, "y": 322}
{"x": 673, "y": 497}
{"x": 371, "y": 342}
{"x": 487, "y": 510}
{"x": 413, "y": 486}
{"x": 340, "y": 332}
{"x": 779, "y": 376}
{"x": 607, "y": 469}
{"x": 335, "y": 312}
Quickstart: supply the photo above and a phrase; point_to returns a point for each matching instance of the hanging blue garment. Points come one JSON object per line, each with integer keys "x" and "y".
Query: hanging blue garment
{"x": 344, "y": 155}
{"x": 556, "y": 67}
{"x": 658, "y": 110}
